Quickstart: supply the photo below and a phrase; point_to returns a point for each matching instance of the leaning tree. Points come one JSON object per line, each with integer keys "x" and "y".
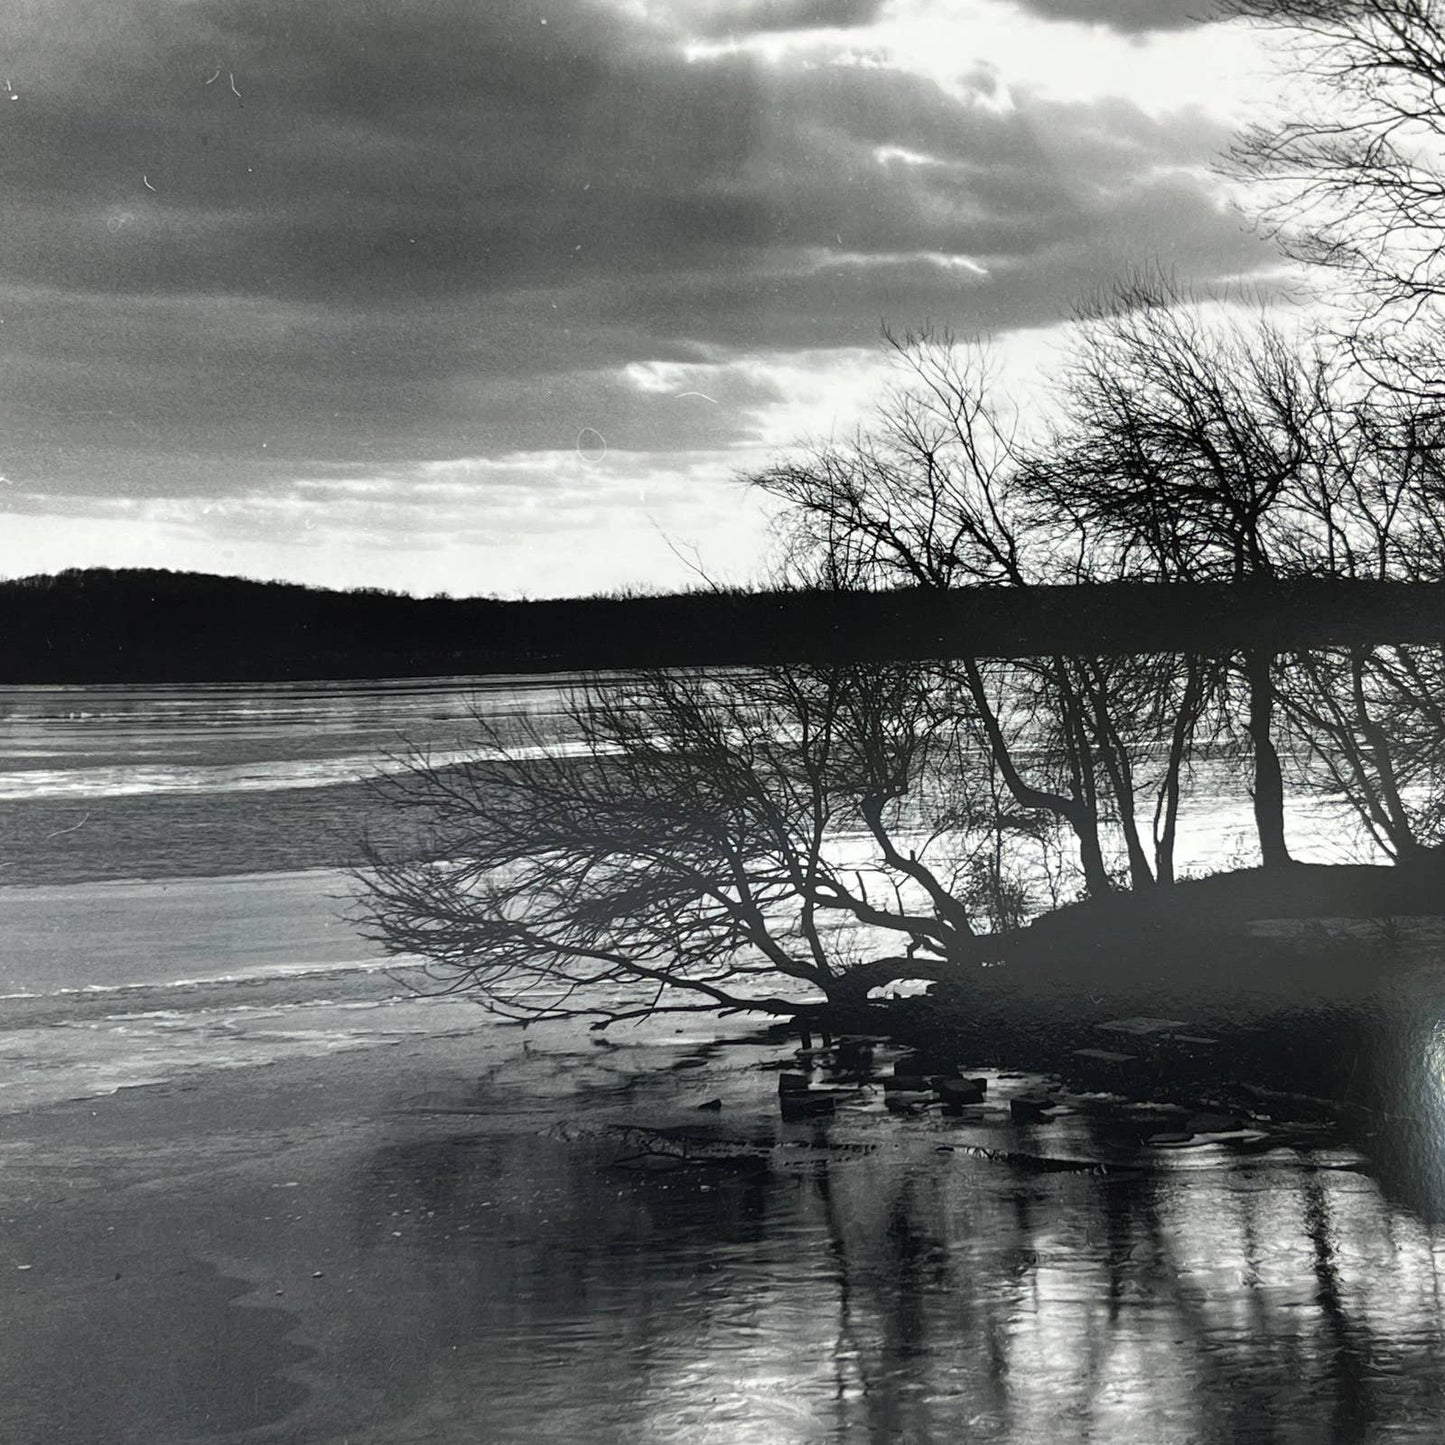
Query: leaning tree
{"x": 759, "y": 840}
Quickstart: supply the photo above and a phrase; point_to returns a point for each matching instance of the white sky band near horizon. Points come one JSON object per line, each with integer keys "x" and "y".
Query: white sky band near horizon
{"x": 505, "y": 299}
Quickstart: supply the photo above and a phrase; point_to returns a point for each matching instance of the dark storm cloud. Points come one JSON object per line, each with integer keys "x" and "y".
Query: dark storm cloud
{"x": 1129, "y": 17}
{"x": 846, "y": 301}
{"x": 240, "y": 236}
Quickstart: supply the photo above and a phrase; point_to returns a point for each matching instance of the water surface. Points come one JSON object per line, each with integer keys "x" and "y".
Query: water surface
{"x": 527, "y": 1252}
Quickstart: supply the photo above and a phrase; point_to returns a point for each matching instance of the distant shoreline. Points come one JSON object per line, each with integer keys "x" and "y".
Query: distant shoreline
{"x": 153, "y": 627}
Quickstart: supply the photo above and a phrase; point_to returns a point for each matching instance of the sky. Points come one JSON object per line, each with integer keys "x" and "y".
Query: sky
{"x": 508, "y": 297}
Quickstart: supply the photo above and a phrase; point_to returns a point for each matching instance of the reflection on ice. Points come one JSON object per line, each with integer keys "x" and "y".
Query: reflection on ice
{"x": 900, "y": 1295}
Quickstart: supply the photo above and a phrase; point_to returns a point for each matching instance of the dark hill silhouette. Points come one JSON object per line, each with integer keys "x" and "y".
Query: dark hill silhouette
{"x": 135, "y": 625}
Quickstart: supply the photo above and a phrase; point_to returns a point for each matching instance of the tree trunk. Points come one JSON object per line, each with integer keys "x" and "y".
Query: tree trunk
{"x": 1179, "y": 741}
{"x": 1396, "y": 818}
{"x": 1091, "y": 857}
{"x": 1268, "y": 778}
{"x": 1083, "y": 783}
{"x": 1115, "y": 758}
{"x": 1076, "y": 810}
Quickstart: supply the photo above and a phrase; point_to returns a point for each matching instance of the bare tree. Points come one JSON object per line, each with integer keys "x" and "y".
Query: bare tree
{"x": 1031, "y": 719}
{"x": 703, "y": 840}
{"x": 927, "y": 498}
{"x": 1373, "y": 499}
{"x": 1151, "y": 713}
{"x": 1185, "y": 440}
{"x": 1354, "y": 179}
{"x": 1187, "y": 452}
{"x": 924, "y": 497}
{"x": 1108, "y": 739}
{"x": 1371, "y": 724}
{"x": 942, "y": 493}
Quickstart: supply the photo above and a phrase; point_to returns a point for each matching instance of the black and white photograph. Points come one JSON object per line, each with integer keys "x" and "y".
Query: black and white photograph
{"x": 722, "y": 722}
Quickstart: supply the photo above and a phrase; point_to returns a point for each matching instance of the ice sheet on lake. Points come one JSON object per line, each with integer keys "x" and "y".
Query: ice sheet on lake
{"x": 56, "y": 1062}
{"x": 131, "y": 779}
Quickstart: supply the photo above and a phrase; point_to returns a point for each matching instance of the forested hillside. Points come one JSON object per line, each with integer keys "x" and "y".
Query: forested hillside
{"x": 119, "y": 626}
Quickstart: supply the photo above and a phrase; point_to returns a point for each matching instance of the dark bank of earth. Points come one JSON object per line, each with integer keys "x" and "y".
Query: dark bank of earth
{"x": 1315, "y": 993}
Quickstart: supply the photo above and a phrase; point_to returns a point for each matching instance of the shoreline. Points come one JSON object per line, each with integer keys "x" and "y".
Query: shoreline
{"x": 144, "y": 625}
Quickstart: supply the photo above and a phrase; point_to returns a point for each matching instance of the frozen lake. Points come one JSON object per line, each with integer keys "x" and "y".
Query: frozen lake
{"x": 171, "y": 916}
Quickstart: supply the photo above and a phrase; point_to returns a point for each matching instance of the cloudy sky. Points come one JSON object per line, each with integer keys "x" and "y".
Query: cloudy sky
{"x": 502, "y": 296}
